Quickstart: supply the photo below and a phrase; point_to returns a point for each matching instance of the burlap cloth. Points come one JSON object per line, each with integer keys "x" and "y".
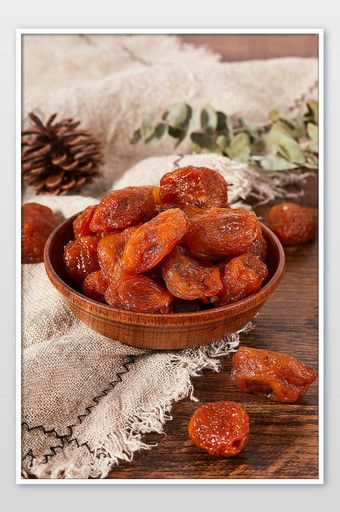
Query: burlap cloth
{"x": 88, "y": 400}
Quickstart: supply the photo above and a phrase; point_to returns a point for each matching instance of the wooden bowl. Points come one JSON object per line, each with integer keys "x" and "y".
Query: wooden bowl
{"x": 157, "y": 331}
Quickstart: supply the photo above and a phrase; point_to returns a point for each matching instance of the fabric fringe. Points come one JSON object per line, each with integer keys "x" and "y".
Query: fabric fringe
{"x": 122, "y": 444}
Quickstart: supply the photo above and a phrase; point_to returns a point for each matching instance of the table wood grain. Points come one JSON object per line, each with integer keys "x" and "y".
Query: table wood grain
{"x": 284, "y": 437}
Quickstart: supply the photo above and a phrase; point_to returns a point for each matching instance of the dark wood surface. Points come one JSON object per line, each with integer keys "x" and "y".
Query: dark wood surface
{"x": 284, "y": 438}
{"x": 236, "y": 47}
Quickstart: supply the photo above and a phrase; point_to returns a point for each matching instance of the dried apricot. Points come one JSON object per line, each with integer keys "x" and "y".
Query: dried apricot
{"x": 110, "y": 250}
{"x": 138, "y": 293}
{"x": 242, "y": 276}
{"x": 81, "y": 224}
{"x": 222, "y": 232}
{"x": 37, "y": 223}
{"x": 220, "y": 428}
{"x": 187, "y": 278}
{"x": 194, "y": 186}
{"x": 122, "y": 208}
{"x": 80, "y": 257}
{"x": 95, "y": 285}
{"x": 259, "y": 248}
{"x": 152, "y": 241}
{"x": 275, "y": 375}
{"x": 292, "y": 223}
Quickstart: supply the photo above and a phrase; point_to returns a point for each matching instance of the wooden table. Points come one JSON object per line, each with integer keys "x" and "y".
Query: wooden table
{"x": 284, "y": 438}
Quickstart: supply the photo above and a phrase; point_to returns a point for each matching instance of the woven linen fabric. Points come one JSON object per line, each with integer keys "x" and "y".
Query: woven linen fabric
{"x": 87, "y": 401}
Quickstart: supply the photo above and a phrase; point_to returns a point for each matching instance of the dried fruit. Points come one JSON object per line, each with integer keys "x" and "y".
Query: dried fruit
{"x": 122, "y": 208}
{"x": 138, "y": 293}
{"x": 81, "y": 224}
{"x": 220, "y": 428}
{"x": 275, "y": 375}
{"x": 152, "y": 241}
{"x": 242, "y": 276}
{"x": 37, "y": 223}
{"x": 110, "y": 250}
{"x": 194, "y": 186}
{"x": 187, "y": 278}
{"x": 95, "y": 285}
{"x": 80, "y": 257}
{"x": 222, "y": 232}
{"x": 292, "y": 223}
{"x": 259, "y": 248}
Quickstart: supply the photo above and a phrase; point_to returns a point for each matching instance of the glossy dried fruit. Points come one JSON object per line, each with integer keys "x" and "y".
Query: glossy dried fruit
{"x": 275, "y": 375}
{"x": 80, "y": 257}
{"x": 81, "y": 224}
{"x": 259, "y": 248}
{"x": 222, "y": 232}
{"x": 125, "y": 207}
{"x": 220, "y": 428}
{"x": 138, "y": 293}
{"x": 187, "y": 278}
{"x": 37, "y": 223}
{"x": 94, "y": 286}
{"x": 194, "y": 186}
{"x": 242, "y": 276}
{"x": 110, "y": 250}
{"x": 152, "y": 241}
{"x": 292, "y": 223}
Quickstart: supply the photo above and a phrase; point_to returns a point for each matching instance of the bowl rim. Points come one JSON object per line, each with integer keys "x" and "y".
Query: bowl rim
{"x": 133, "y": 317}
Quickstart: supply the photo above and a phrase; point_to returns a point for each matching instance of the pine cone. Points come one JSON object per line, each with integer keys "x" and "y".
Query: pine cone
{"x": 57, "y": 157}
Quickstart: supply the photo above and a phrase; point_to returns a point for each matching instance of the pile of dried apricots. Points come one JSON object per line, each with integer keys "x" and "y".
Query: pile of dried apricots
{"x": 180, "y": 247}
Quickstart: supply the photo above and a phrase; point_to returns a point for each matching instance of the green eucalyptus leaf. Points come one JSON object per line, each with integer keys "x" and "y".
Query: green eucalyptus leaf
{"x": 178, "y": 115}
{"x": 177, "y": 134}
{"x": 278, "y": 140}
{"x": 222, "y": 142}
{"x": 276, "y": 163}
{"x": 274, "y": 115}
{"x": 146, "y": 125}
{"x": 239, "y": 147}
{"x": 204, "y": 141}
{"x": 136, "y": 136}
{"x": 312, "y": 162}
{"x": 250, "y": 127}
{"x": 313, "y": 111}
{"x": 313, "y": 134}
{"x": 209, "y": 119}
{"x": 156, "y": 136}
{"x": 230, "y": 127}
{"x": 221, "y": 122}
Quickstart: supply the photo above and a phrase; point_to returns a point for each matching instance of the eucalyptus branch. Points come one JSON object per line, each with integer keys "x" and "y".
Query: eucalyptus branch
{"x": 279, "y": 143}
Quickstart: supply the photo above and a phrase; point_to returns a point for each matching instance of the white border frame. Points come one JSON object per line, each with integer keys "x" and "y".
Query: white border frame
{"x": 320, "y": 33}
